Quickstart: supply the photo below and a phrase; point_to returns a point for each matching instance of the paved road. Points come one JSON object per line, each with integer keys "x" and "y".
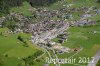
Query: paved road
{"x": 95, "y": 60}
{"x": 56, "y": 56}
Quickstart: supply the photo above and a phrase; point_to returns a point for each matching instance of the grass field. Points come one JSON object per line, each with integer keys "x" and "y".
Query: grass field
{"x": 98, "y": 64}
{"x": 12, "y": 50}
{"x": 24, "y": 9}
{"x": 85, "y": 38}
{"x": 76, "y": 3}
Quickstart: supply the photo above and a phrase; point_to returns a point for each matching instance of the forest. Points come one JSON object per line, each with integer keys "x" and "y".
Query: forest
{"x": 5, "y": 5}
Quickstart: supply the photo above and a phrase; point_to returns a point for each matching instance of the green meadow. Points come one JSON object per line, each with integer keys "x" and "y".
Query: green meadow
{"x": 12, "y": 50}
{"x": 24, "y": 9}
{"x": 85, "y": 38}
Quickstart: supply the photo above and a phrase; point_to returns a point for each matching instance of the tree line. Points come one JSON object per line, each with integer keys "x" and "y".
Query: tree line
{"x": 5, "y": 5}
{"x": 41, "y": 2}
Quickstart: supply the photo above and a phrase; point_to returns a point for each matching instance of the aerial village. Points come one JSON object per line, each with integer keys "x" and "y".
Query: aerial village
{"x": 50, "y": 24}
{"x": 47, "y": 28}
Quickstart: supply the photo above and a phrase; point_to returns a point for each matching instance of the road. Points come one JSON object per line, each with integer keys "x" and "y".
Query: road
{"x": 56, "y": 56}
{"x": 95, "y": 60}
